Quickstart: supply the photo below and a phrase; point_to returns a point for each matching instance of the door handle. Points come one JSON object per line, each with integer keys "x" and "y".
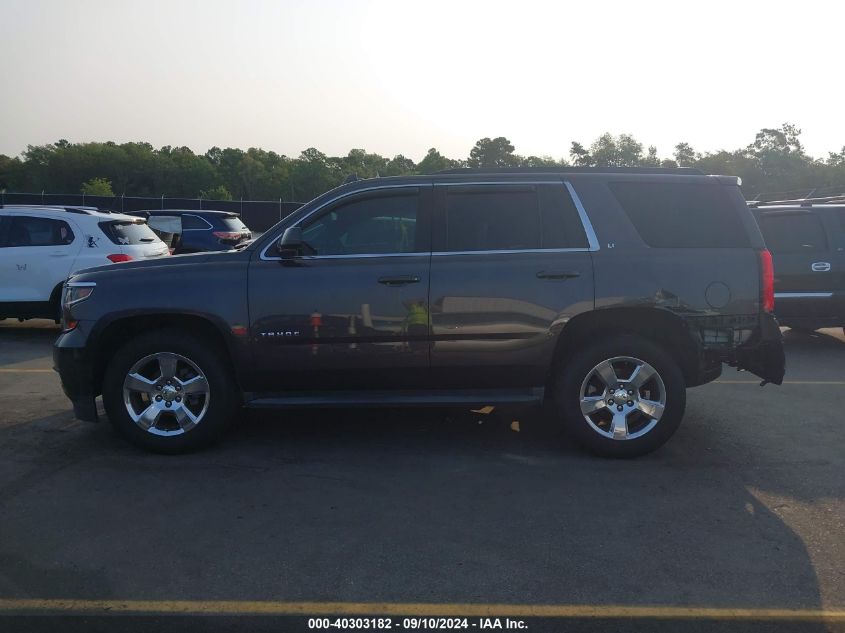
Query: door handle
{"x": 58, "y": 254}
{"x": 558, "y": 274}
{"x": 820, "y": 267}
{"x": 400, "y": 280}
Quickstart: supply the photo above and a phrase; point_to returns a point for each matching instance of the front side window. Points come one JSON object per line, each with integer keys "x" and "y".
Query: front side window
{"x": 381, "y": 224}
{"x": 35, "y": 231}
{"x": 793, "y": 233}
{"x": 492, "y": 220}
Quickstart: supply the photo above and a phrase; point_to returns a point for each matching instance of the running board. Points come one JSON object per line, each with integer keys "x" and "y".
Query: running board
{"x": 398, "y": 398}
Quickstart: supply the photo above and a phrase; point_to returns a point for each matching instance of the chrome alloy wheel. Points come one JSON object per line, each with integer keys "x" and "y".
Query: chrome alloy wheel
{"x": 623, "y": 398}
{"x": 166, "y": 394}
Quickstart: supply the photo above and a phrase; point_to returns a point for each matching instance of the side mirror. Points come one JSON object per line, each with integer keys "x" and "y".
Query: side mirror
{"x": 291, "y": 243}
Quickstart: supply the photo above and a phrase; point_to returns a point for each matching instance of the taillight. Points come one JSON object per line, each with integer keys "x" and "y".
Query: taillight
{"x": 767, "y": 279}
{"x": 228, "y": 235}
{"x": 119, "y": 257}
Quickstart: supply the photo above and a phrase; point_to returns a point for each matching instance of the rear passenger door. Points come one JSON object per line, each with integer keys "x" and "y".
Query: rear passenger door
{"x": 805, "y": 266}
{"x": 37, "y": 254}
{"x": 510, "y": 265}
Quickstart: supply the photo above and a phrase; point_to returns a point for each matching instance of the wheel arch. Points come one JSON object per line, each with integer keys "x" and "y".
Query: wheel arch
{"x": 120, "y": 329}
{"x": 659, "y": 326}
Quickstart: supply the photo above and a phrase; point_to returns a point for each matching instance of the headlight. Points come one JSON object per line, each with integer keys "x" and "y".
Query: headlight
{"x": 74, "y": 292}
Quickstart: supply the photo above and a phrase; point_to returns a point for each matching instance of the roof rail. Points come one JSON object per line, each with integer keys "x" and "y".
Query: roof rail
{"x": 690, "y": 171}
{"x": 795, "y": 195}
{"x": 56, "y": 207}
{"x": 803, "y": 202}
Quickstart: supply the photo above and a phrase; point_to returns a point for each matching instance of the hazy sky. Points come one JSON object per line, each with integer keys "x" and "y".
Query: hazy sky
{"x": 400, "y": 77}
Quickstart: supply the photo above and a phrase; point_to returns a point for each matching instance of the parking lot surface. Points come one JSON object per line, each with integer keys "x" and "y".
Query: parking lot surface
{"x": 743, "y": 509}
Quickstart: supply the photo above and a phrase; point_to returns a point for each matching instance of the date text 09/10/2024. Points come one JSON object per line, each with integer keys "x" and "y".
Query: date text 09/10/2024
{"x": 430, "y": 623}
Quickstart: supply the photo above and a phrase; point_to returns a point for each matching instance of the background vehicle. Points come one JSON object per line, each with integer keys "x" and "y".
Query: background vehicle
{"x": 807, "y": 240}
{"x": 197, "y": 231}
{"x": 605, "y": 293}
{"x": 41, "y": 246}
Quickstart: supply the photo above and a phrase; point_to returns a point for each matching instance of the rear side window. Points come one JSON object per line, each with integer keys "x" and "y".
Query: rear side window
{"x": 793, "y": 233}
{"x": 193, "y": 222}
{"x": 232, "y": 223}
{"x": 492, "y": 220}
{"x": 499, "y": 218}
{"x": 681, "y": 215}
{"x": 561, "y": 224}
{"x": 128, "y": 233}
{"x": 33, "y": 231}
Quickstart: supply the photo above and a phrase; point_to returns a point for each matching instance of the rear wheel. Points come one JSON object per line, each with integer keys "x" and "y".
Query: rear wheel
{"x": 168, "y": 392}
{"x": 621, "y": 397}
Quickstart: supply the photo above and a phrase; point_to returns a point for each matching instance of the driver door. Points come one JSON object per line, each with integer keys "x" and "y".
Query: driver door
{"x": 350, "y": 311}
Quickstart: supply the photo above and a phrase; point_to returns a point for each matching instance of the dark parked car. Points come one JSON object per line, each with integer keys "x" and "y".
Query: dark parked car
{"x": 807, "y": 240}
{"x": 604, "y": 293}
{"x": 197, "y": 231}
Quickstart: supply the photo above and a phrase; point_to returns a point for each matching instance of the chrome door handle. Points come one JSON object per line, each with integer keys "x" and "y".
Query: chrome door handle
{"x": 401, "y": 280}
{"x": 820, "y": 267}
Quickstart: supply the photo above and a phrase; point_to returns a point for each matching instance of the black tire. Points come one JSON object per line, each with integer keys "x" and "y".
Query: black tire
{"x": 575, "y": 370}
{"x": 222, "y": 399}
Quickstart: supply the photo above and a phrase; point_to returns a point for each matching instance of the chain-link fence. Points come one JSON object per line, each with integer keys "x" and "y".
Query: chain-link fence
{"x": 258, "y": 215}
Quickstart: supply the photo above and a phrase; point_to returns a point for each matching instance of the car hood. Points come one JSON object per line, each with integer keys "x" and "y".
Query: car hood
{"x": 180, "y": 264}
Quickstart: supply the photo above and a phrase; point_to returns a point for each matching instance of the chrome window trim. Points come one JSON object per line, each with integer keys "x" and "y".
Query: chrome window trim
{"x": 803, "y": 295}
{"x": 592, "y": 239}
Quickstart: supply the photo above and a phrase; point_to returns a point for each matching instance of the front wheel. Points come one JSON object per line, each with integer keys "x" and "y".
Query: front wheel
{"x": 621, "y": 397}
{"x": 168, "y": 392}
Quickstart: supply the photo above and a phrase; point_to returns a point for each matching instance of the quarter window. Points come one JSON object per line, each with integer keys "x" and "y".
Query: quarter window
{"x": 35, "y": 231}
{"x": 379, "y": 224}
{"x": 682, "y": 215}
{"x": 793, "y": 233}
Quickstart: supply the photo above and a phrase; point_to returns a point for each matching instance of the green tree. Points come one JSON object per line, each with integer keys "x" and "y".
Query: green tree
{"x": 218, "y": 193}
{"x": 651, "y": 159}
{"x": 580, "y": 155}
{"x": 399, "y": 165}
{"x": 685, "y": 155}
{"x": 497, "y": 152}
{"x": 97, "y": 187}
{"x": 541, "y": 162}
{"x": 434, "y": 161}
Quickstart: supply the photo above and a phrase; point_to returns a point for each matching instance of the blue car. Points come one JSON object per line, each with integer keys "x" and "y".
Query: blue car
{"x": 188, "y": 231}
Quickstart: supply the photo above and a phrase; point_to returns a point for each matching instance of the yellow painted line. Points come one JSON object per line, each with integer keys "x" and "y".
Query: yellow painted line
{"x": 4, "y": 370}
{"x": 786, "y": 382}
{"x": 212, "y": 607}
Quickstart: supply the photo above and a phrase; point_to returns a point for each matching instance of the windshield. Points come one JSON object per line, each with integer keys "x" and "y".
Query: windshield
{"x": 127, "y": 233}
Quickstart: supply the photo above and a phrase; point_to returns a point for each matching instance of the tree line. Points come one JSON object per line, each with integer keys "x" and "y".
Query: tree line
{"x": 774, "y": 161}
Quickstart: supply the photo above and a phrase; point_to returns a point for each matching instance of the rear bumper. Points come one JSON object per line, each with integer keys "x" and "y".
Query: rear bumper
{"x": 77, "y": 375}
{"x": 763, "y": 355}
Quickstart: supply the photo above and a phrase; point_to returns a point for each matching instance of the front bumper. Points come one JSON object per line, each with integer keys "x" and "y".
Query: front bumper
{"x": 77, "y": 375}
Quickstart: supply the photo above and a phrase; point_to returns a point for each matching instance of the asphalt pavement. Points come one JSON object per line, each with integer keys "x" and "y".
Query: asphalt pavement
{"x": 740, "y": 518}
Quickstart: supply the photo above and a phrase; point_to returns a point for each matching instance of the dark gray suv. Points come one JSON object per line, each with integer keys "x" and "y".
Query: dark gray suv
{"x": 606, "y": 293}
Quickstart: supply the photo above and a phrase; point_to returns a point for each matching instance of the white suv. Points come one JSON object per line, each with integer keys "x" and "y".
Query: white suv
{"x": 41, "y": 246}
